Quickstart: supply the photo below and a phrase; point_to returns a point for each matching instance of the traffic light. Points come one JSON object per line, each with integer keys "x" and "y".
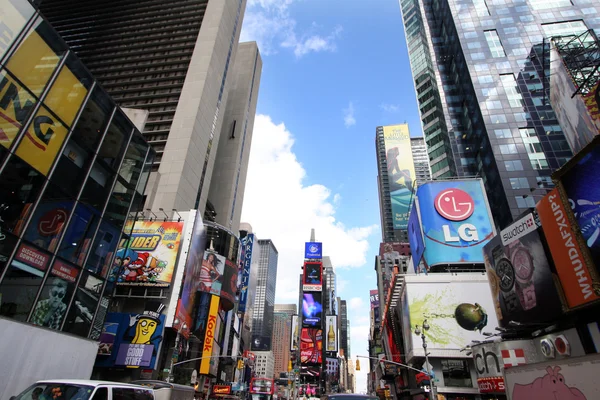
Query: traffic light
{"x": 290, "y": 366}
{"x": 357, "y": 365}
{"x": 240, "y": 364}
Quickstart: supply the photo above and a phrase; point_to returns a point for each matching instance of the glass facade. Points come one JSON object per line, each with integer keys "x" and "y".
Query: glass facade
{"x": 264, "y": 297}
{"x": 72, "y": 169}
{"x": 492, "y": 83}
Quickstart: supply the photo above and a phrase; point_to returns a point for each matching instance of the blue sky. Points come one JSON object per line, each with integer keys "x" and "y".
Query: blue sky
{"x": 332, "y": 71}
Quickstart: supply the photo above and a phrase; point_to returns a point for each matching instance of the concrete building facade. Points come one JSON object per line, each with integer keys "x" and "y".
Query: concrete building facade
{"x": 282, "y": 331}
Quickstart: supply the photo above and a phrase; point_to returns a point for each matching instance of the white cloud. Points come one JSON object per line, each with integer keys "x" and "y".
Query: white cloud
{"x": 271, "y": 25}
{"x": 279, "y": 206}
{"x": 391, "y": 108}
{"x": 349, "y": 119}
{"x": 359, "y": 342}
{"x": 356, "y": 302}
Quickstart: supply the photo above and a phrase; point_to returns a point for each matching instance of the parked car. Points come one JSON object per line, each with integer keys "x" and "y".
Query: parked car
{"x": 65, "y": 389}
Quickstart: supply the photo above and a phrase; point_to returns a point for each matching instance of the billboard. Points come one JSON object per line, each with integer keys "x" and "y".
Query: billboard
{"x": 415, "y": 236}
{"x": 209, "y": 336}
{"x": 15, "y": 13}
{"x": 312, "y": 278}
{"x": 374, "y": 298}
{"x": 574, "y": 378}
{"x": 311, "y": 346}
{"x": 458, "y": 309}
{"x": 331, "y": 343}
{"x": 247, "y": 248}
{"x": 191, "y": 278}
{"x": 456, "y": 221}
{"x": 132, "y": 340}
{"x": 520, "y": 277}
{"x": 313, "y": 250}
{"x": 578, "y": 115}
{"x": 294, "y": 334}
{"x": 401, "y": 171}
{"x": 312, "y": 309}
{"x": 571, "y": 266}
{"x": 218, "y": 276}
{"x": 579, "y": 182}
{"x": 148, "y": 257}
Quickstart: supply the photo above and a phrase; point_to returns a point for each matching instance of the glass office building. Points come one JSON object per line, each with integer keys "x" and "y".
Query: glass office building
{"x": 481, "y": 74}
{"x": 73, "y": 168}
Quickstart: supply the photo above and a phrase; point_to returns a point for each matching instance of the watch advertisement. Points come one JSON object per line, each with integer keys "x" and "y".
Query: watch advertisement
{"x": 520, "y": 277}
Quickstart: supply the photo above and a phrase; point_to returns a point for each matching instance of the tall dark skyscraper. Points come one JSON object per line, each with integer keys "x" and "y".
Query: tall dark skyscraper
{"x": 481, "y": 72}
{"x": 344, "y": 327}
{"x": 179, "y": 60}
{"x": 264, "y": 295}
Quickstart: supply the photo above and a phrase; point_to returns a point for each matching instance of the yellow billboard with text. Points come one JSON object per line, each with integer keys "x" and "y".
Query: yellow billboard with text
{"x": 209, "y": 336}
{"x": 401, "y": 171}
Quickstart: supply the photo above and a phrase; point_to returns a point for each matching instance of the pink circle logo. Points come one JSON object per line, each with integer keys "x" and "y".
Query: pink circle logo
{"x": 454, "y": 204}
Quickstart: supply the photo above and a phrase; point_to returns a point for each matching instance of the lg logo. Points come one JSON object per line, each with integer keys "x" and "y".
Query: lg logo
{"x": 456, "y": 205}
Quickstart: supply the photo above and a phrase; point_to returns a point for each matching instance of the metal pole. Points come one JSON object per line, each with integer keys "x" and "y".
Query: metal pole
{"x": 431, "y": 395}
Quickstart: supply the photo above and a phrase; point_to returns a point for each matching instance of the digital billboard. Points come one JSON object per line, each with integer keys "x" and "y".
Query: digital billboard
{"x": 401, "y": 171}
{"x": 312, "y": 277}
{"x": 374, "y": 298}
{"x": 579, "y": 181}
{"x": 520, "y": 276}
{"x": 571, "y": 266}
{"x": 455, "y": 220}
{"x": 312, "y": 309}
{"x": 331, "y": 340}
{"x": 294, "y": 334}
{"x": 458, "y": 310}
{"x": 577, "y": 115}
{"x": 415, "y": 235}
{"x": 311, "y": 346}
{"x": 131, "y": 340}
{"x": 247, "y": 248}
{"x": 148, "y": 257}
{"x": 313, "y": 250}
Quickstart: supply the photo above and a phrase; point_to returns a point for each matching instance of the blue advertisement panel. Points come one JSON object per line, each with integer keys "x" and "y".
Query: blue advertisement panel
{"x": 312, "y": 310}
{"x": 131, "y": 340}
{"x": 415, "y": 236}
{"x": 247, "y": 245}
{"x": 313, "y": 250}
{"x": 581, "y": 183}
{"x": 456, "y": 221}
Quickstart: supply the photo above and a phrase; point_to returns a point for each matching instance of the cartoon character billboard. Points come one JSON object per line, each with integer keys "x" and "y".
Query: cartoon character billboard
{"x": 136, "y": 338}
{"x": 455, "y": 220}
{"x": 401, "y": 171}
{"x": 148, "y": 257}
{"x": 457, "y": 308}
{"x": 574, "y": 378}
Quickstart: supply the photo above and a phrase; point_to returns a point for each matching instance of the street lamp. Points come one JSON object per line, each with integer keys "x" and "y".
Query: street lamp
{"x": 420, "y": 330}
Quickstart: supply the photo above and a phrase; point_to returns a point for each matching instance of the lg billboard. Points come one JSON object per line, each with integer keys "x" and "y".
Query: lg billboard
{"x": 456, "y": 221}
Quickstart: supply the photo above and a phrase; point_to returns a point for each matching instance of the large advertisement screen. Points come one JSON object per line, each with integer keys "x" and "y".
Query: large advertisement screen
{"x": 571, "y": 266}
{"x": 457, "y": 309}
{"x": 520, "y": 277}
{"x": 415, "y": 236}
{"x": 247, "y": 248}
{"x": 131, "y": 340}
{"x": 311, "y": 346}
{"x": 209, "y": 336}
{"x": 401, "y": 171}
{"x": 148, "y": 257}
{"x": 313, "y": 250}
{"x": 581, "y": 184}
{"x": 456, "y": 221}
{"x": 313, "y": 276}
{"x": 577, "y": 115}
{"x": 331, "y": 343}
{"x": 312, "y": 309}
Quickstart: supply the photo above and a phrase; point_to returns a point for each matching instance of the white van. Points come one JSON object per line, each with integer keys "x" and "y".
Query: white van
{"x": 168, "y": 391}
{"x": 66, "y": 389}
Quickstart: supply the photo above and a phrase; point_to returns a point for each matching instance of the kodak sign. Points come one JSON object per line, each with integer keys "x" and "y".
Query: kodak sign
{"x": 209, "y": 336}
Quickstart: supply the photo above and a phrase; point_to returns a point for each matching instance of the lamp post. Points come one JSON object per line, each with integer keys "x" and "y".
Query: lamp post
{"x": 420, "y": 330}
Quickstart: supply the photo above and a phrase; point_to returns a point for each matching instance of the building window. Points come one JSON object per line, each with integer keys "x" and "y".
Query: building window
{"x": 547, "y": 4}
{"x": 508, "y": 148}
{"x": 525, "y": 201}
{"x": 481, "y": 8}
{"x": 564, "y": 28}
{"x": 494, "y": 43}
{"x": 519, "y": 183}
{"x": 456, "y": 373}
{"x": 503, "y": 133}
{"x": 514, "y": 165}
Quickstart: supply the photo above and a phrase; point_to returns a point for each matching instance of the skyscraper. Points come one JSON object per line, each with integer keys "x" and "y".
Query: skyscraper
{"x": 343, "y": 327}
{"x": 177, "y": 60}
{"x": 329, "y": 301}
{"x": 481, "y": 75}
{"x": 397, "y": 175}
{"x": 282, "y": 331}
{"x": 264, "y": 295}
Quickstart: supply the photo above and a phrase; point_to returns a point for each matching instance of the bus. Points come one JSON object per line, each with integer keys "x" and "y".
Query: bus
{"x": 262, "y": 389}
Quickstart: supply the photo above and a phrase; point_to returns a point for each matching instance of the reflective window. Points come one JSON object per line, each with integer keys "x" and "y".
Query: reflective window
{"x": 80, "y": 316}
{"x": 494, "y": 43}
{"x": 503, "y": 133}
{"x": 456, "y": 373}
{"x": 564, "y": 28}
{"x": 103, "y": 248}
{"x": 547, "y": 4}
{"x": 508, "y": 148}
{"x": 16, "y": 104}
{"x": 512, "y": 92}
{"x": 514, "y": 165}
{"x": 98, "y": 186}
{"x": 12, "y": 20}
{"x": 22, "y": 281}
{"x": 79, "y": 234}
{"x": 525, "y": 202}
{"x": 51, "y": 307}
{"x": 7, "y": 245}
{"x": 116, "y": 139}
{"x": 519, "y": 183}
